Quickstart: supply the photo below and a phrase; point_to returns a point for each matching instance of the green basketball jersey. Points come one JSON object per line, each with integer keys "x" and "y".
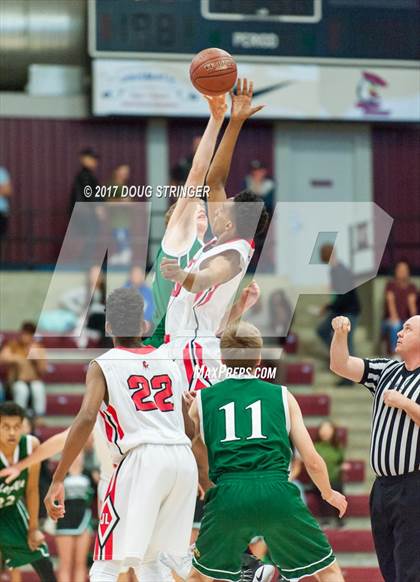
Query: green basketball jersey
{"x": 12, "y": 492}
{"x": 245, "y": 425}
{"x": 162, "y": 290}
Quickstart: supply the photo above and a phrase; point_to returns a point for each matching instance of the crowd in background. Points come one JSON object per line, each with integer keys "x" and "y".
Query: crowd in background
{"x": 83, "y": 308}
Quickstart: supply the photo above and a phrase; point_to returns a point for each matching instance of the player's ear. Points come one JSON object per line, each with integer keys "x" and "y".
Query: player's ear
{"x": 108, "y": 328}
{"x": 144, "y": 328}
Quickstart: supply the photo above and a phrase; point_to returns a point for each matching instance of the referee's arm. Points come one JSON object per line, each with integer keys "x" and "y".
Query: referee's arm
{"x": 341, "y": 363}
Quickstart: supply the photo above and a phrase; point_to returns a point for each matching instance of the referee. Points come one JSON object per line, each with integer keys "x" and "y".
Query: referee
{"x": 395, "y": 445}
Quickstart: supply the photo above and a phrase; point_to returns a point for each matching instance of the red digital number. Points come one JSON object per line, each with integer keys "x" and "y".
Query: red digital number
{"x": 162, "y": 392}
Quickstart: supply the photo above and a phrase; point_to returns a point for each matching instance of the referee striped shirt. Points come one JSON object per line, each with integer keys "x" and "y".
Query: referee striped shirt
{"x": 395, "y": 439}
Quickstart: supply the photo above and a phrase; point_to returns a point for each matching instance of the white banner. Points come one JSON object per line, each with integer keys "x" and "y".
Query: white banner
{"x": 156, "y": 88}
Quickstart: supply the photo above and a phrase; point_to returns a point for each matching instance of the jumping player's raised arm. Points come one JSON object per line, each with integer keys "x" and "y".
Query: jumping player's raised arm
{"x": 241, "y": 110}
{"x": 80, "y": 430}
{"x": 47, "y": 449}
{"x": 182, "y": 224}
{"x": 314, "y": 463}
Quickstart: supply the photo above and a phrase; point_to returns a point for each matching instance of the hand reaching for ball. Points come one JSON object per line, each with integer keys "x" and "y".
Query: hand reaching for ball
{"x": 217, "y": 106}
{"x": 242, "y": 107}
{"x": 341, "y": 324}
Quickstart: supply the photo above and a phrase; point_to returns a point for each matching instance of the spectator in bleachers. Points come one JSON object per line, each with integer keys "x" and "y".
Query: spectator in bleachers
{"x": 5, "y": 194}
{"x": 328, "y": 446}
{"x": 400, "y": 303}
{"x": 180, "y": 171}
{"x": 73, "y": 532}
{"x": 91, "y": 295}
{"x": 89, "y": 218}
{"x": 258, "y": 182}
{"x": 280, "y": 313}
{"x": 137, "y": 281}
{"x": 345, "y": 300}
{"x": 120, "y": 217}
{"x": 25, "y": 374}
{"x": 85, "y": 177}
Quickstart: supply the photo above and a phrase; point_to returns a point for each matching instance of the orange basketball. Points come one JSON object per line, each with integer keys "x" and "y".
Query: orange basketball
{"x": 213, "y": 71}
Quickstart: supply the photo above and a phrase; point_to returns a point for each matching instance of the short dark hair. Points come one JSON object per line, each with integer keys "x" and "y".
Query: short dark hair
{"x": 124, "y": 312}
{"x": 10, "y": 408}
{"x": 28, "y": 327}
{"x": 244, "y": 225}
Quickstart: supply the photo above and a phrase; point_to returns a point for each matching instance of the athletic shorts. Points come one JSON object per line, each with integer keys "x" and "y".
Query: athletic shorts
{"x": 149, "y": 505}
{"x": 14, "y": 537}
{"x": 244, "y": 505}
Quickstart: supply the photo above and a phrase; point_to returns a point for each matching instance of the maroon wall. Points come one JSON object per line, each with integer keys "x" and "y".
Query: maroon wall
{"x": 396, "y": 170}
{"x": 255, "y": 143}
{"x": 42, "y": 158}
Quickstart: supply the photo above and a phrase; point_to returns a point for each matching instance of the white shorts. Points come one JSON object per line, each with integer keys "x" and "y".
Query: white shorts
{"x": 149, "y": 505}
{"x": 198, "y": 359}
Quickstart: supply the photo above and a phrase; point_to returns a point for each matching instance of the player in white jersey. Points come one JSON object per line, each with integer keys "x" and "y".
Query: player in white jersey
{"x": 137, "y": 390}
{"x": 204, "y": 291}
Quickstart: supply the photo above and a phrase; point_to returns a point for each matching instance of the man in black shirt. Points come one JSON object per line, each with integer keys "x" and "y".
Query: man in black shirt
{"x": 345, "y": 301}
{"x": 88, "y": 218}
{"x": 85, "y": 177}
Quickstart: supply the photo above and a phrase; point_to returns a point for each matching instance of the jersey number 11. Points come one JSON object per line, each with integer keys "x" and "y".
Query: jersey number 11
{"x": 230, "y": 424}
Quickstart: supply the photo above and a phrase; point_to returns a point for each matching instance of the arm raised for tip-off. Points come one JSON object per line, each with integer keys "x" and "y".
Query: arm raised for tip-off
{"x": 218, "y": 174}
{"x": 182, "y": 224}
{"x": 341, "y": 362}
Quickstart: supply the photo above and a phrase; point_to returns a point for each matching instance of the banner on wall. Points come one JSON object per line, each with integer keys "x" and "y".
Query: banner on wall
{"x": 156, "y": 88}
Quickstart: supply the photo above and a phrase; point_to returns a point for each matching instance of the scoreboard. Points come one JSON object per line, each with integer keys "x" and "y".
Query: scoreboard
{"x": 372, "y": 30}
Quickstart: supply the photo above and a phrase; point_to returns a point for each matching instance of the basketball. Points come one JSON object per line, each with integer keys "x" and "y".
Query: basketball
{"x": 213, "y": 71}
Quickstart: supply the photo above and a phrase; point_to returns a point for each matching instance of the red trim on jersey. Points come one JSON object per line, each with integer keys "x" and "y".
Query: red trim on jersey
{"x": 114, "y": 415}
{"x": 105, "y": 552}
{"x": 166, "y": 338}
{"x": 142, "y": 350}
{"x": 188, "y": 363}
{"x": 109, "y": 429}
{"x": 208, "y": 296}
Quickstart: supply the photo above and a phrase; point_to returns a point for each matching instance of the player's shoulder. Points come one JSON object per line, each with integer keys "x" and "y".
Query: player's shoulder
{"x": 29, "y": 443}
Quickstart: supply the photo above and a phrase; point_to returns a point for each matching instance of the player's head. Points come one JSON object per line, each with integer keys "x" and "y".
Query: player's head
{"x": 11, "y": 424}
{"x": 124, "y": 314}
{"x": 201, "y": 218}
{"x": 238, "y": 217}
{"x": 241, "y": 346}
{"x": 408, "y": 344}
{"x": 27, "y": 332}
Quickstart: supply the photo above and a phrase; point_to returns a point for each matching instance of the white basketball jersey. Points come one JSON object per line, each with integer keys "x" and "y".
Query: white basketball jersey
{"x": 202, "y": 313}
{"x": 145, "y": 399}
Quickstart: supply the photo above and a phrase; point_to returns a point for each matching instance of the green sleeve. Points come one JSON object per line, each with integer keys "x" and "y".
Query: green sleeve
{"x": 158, "y": 336}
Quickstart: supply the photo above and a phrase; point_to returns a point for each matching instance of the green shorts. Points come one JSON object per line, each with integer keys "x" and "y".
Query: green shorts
{"x": 244, "y": 505}
{"x": 14, "y": 537}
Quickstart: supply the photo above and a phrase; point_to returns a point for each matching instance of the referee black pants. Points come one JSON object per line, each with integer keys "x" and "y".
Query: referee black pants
{"x": 395, "y": 516}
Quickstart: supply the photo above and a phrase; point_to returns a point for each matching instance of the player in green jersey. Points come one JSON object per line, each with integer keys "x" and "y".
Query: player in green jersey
{"x": 186, "y": 221}
{"x": 247, "y": 426}
{"x": 186, "y": 224}
{"x": 21, "y": 541}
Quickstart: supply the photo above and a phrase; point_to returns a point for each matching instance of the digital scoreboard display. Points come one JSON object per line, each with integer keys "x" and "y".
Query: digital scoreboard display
{"x": 304, "y": 29}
